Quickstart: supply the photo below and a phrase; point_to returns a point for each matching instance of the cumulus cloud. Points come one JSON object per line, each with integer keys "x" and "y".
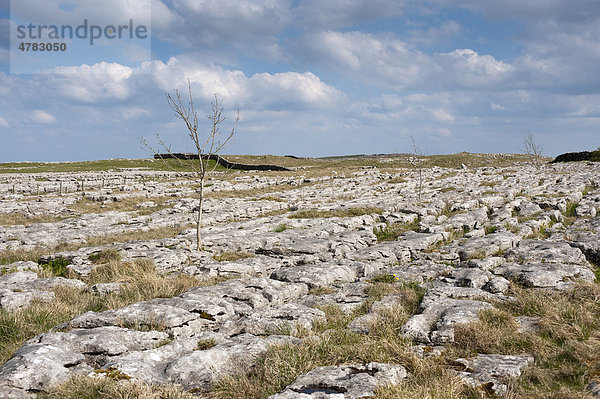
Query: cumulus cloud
{"x": 386, "y": 60}
{"x": 92, "y": 83}
{"x": 42, "y": 117}
{"x": 289, "y": 89}
{"x": 4, "y": 122}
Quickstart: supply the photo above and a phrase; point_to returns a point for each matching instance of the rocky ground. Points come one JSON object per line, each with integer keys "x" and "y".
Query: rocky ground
{"x": 415, "y": 262}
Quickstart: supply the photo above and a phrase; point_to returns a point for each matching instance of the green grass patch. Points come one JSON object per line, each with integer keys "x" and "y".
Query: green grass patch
{"x": 282, "y": 227}
{"x": 57, "y": 267}
{"x": 570, "y": 209}
{"x": 102, "y": 165}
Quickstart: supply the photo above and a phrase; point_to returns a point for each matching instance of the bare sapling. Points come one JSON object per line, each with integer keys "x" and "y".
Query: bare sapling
{"x": 208, "y": 146}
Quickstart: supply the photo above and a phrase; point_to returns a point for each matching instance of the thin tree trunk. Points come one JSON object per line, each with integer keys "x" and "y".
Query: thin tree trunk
{"x": 199, "y": 218}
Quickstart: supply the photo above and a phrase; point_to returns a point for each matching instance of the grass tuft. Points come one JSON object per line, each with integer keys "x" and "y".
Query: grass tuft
{"x": 391, "y": 232}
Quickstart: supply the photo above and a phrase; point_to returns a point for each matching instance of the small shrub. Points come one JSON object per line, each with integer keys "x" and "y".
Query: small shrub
{"x": 93, "y": 387}
{"x": 57, "y": 267}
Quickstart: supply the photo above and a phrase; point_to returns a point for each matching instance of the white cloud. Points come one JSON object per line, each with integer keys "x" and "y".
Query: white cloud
{"x": 4, "y": 122}
{"x": 288, "y": 89}
{"x": 368, "y": 57}
{"x": 387, "y": 61}
{"x": 41, "y": 116}
{"x": 92, "y": 83}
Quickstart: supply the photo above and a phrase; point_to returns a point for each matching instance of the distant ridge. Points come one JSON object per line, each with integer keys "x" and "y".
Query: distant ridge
{"x": 221, "y": 161}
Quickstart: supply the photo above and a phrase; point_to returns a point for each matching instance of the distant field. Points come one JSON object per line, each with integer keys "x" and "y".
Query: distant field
{"x": 383, "y": 161}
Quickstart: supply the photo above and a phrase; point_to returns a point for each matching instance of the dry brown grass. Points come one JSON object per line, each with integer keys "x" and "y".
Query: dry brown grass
{"x": 140, "y": 280}
{"x": 14, "y": 219}
{"x": 333, "y": 344}
{"x": 129, "y": 204}
{"x": 565, "y": 348}
{"x": 85, "y": 387}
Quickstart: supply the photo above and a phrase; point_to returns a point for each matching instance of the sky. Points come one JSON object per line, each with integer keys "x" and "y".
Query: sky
{"x": 309, "y": 77}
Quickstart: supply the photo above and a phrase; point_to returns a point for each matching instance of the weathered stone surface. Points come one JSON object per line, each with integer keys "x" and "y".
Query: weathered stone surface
{"x": 351, "y": 381}
{"x": 545, "y": 275}
{"x": 285, "y": 319}
{"x": 322, "y": 275}
{"x": 420, "y": 271}
{"x": 493, "y": 370}
{"x": 545, "y": 251}
{"x": 200, "y": 369}
{"x": 441, "y": 309}
{"x": 19, "y": 288}
{"x": 470, "y": 242}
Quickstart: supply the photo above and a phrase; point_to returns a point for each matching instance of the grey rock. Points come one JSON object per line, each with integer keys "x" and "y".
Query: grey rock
{"x": 285, "y": 319}
{"x": 420, "y": 271}
{"x": 200, "y": 369}
{"x": 106, "y": 288}
{"x": 322, "y": 275}
{"x": 545, "y": 251}
{"x": 545, "y": 275}
{"x": 493, "y": 370}
{"x": 473, "y": 278}
{"x": 497, "y": 285}
{"x": 351, "y": 381}
{"x": 440, "y": 310}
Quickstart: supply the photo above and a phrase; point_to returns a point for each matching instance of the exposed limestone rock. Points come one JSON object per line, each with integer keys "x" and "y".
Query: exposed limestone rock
{"x": 473, "y": 237}
{"x": 441, "y": 309}
{"x": 493, "y": 370}
{"x": 352, "y": 381}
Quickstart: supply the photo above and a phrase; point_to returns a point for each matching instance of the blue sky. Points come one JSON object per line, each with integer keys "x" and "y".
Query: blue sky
{"x": 317, "y": 78}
